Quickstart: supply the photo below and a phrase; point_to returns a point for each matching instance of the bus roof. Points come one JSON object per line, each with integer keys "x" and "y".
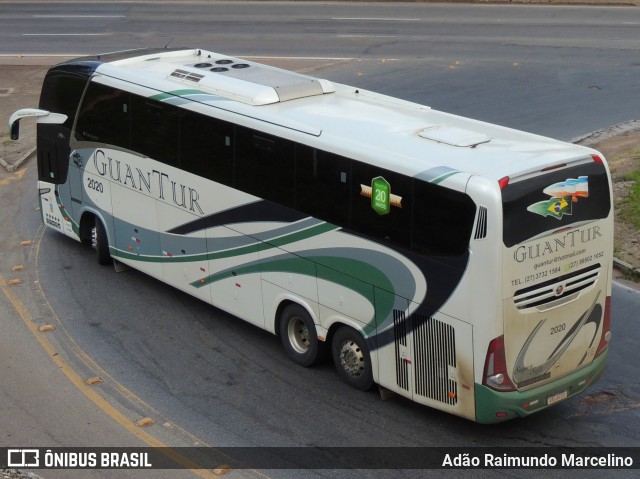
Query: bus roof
{"x": 395, "y": 134}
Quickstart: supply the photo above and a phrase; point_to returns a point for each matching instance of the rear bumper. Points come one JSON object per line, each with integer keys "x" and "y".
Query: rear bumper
{"x": 493, "y": 406}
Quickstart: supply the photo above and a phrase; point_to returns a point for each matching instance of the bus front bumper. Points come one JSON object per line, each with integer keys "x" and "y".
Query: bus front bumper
{"x": 493, "y": 406}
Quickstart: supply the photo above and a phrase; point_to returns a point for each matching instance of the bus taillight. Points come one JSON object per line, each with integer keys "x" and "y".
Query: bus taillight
{"x": 495, "y": 367}
{"x": 597, "y": 158}
{"x": 606, "y": 328}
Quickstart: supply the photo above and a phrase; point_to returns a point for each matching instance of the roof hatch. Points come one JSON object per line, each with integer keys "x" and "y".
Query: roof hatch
{"x": 249, "y": 82}
{"x": 454, "y": 136}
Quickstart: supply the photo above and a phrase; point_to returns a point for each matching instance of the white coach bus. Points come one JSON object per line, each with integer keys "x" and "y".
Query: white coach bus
{"x": 463, "y": 265}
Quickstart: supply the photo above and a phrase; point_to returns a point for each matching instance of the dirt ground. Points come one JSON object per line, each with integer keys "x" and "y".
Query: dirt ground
{"x": 622, "y": 150}
{"x": 20, "y": 88}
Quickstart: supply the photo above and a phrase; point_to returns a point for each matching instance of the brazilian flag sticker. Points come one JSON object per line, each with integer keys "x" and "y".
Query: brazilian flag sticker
{"x": 556, "y": 207}
{"x": 563, "y": 196}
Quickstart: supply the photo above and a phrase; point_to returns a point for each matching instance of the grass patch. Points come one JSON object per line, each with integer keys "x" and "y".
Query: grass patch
{"x": 629, "y": 207}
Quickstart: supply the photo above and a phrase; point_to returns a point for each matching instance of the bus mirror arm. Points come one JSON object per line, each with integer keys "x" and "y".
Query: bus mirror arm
{"x": 42, "y": 115}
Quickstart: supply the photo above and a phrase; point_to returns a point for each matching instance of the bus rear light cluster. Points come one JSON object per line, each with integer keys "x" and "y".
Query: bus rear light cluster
{"x": 495, "y": 367}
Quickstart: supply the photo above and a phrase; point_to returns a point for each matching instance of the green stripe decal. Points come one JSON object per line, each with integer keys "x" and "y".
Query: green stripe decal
{"x": 336, "y": 270}
{"x": 302, "y": 235}
{"x": 440, "y": 179}
{"x": 177, "y": 93}
{"x": 240, "y": 251}
{"x": 340, "y": 270}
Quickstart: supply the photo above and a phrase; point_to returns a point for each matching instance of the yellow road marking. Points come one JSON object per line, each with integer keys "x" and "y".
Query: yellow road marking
{"x": 65, "y": 367}
{"x": 98, "y": 400}
{"x": 13, "y": 177}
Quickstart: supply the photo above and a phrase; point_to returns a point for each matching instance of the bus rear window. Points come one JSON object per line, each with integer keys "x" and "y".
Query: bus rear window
{"x": 550, "y": 201}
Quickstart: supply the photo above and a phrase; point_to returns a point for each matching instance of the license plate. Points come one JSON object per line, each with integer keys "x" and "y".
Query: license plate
{"x": 556, "y": 397}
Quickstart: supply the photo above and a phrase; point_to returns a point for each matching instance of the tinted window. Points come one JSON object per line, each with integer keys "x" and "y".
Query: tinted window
{"x": 393, "y": 227}
{"x": 553, "y": 200}
{"x": 264, "y": 166}
{"x": 61, "y": 94}
{"x": 322, "y": 185}
{"x": 442, "y": 220}
{"x": 155, "y": 129}
{"x": 206, "y": 147}
{"x": 104, "y": 116}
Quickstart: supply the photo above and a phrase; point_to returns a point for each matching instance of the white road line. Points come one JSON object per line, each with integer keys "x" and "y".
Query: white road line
{"x": 364, "y": 36}
{"x": 78, "y": 16}
{"x": 373, "y": 19}
{"x": 65, "y": 34}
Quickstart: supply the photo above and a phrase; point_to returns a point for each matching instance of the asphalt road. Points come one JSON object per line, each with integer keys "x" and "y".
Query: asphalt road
{"x": 521, "y": 66}
{"x": 202, "y": 375}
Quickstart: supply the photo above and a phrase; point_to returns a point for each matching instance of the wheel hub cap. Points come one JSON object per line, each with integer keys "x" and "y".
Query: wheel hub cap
{"x": 298, "y": 335}
{"x": 351, "y": 358}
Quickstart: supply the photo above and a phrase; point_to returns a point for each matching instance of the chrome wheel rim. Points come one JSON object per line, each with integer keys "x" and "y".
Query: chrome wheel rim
{"x": 352, "y": 358}
{"x": 94, "y": 237}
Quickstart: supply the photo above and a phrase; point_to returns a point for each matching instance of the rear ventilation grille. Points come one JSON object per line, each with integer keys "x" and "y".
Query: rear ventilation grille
{"x": 481, "y": 224}
{"x": 558, "y": 291}
{"x": 247, "y": 82}
{"x": 400, "y": 332}
{"x": 434, "y": 356}
{"x": 186, "y": 75}
{"x": 435, "y": 359}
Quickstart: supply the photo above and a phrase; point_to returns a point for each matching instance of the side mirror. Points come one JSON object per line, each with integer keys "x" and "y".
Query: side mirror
{"x": 15, "y": 130}
{"x": 43, "y": 117}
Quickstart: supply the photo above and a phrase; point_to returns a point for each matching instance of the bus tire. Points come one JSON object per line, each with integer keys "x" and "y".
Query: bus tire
{"x": 100, "y": 243}
{"x": 299, "y": 337}
{"x": 351, "y": 358}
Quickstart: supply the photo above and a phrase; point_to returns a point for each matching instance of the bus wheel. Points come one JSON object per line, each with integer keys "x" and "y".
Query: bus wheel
{"x": 352, "y": 359}
{"x": 100, "y": 243}
{"x": 298, "y": 336}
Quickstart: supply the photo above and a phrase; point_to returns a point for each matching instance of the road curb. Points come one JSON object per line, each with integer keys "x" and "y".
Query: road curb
{"x": 14, "y": 166}
{"x": 590, "y": 140}
{"x": 626, "y": 268}
{"x": 597, "y": 136}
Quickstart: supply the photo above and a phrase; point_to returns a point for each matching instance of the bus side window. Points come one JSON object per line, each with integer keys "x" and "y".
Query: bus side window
{"x": 206, "y": 147}
{"x": 393, "y": 227}
{"x": 322, "y": 184}
{"x": 104, "y": 117}
{"x": 155, "y": 129}
{"x": 442, "y": 220}
{"x": 265, "y": 166}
